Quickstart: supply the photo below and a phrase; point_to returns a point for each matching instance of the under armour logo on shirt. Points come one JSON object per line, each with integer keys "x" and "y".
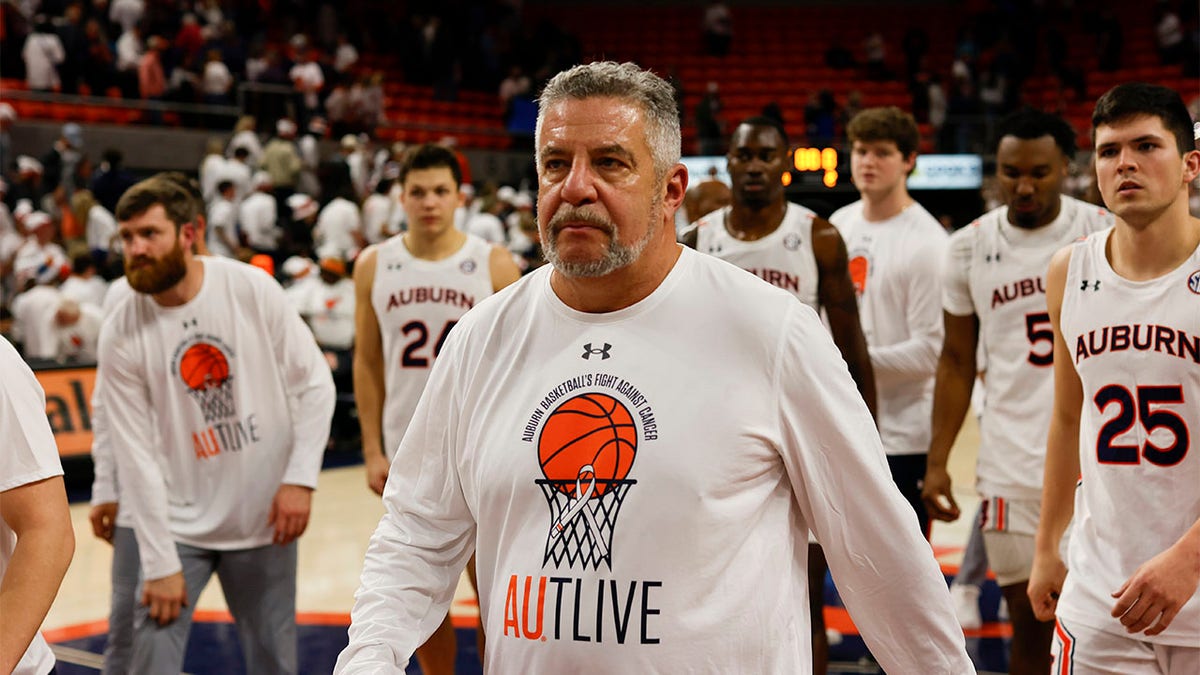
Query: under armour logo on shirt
{"x": 588, "y": 351}
{"x": 1094, "y": 285}
{"x": 992, "y": 257}
{"x": 190, "y": 323}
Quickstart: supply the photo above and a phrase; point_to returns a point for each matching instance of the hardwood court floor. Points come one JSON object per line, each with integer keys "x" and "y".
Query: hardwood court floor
{"x": 344, "y": 515}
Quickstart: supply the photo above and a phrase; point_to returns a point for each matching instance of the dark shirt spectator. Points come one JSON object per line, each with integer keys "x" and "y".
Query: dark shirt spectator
{"x": 111, "y": 180}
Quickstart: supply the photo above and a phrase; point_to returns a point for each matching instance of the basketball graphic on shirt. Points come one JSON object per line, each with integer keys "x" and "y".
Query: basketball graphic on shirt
{"x": 590, "y": 437}
{"x": 860, "y": 267}
{"x": 203, "y": 366}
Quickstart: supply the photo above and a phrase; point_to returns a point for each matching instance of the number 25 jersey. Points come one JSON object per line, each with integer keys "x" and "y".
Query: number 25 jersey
{"x": 417, "y": 302}
{"x": 1136, "y": 347}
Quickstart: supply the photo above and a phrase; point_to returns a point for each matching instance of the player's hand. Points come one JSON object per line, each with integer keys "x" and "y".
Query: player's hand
{"x": 289, "y": 512}
{"x": 165, "y": 597}
{"x": 1149, "y": 600}
{"x": 938, "y": 497}
{"x": 1045, "y": 585}
{"x": 104, "y": 520}
{"x": 377, "y": 470}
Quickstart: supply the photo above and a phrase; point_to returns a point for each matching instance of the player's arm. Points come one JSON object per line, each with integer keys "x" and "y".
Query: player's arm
{"x": 1062, "y": 456}
{"x": 37, "y": 513}
{"x": 951, "y": 399}
{"x": 503, "y": 268}
{"x": 836, "y": 467}
{"x": 917, "y": 356}
{"x": 426, "y": 536}
{"x": 308, "y": 384}
{"x": 835, "y": 291}
{"x": 103, "y": 514}
{"x": 368, "y": 366}
{"x": 144, "y": 487}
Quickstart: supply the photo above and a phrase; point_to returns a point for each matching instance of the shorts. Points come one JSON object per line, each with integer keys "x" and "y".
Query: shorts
{"x": 1082, "y": 650}
{"x": 1009, "y": 526}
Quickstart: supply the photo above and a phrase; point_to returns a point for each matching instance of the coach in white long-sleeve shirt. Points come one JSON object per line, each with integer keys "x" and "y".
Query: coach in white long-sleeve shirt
{"x": 896, "y": 250}
{"x": 208, "y": 358}
{"x": 639, "y": 501}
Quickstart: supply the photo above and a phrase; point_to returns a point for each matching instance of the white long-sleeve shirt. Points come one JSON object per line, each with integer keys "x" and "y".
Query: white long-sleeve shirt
{"x": 723, "y": 411}
{"x": 896, "y": 267}
{"x": 237, "y": 395}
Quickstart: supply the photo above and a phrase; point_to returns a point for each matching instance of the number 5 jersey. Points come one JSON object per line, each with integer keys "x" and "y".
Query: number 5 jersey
{"x": 1136, "y": 347}
{"x": 996, "y": 270}
{"x": 417, "y": 302}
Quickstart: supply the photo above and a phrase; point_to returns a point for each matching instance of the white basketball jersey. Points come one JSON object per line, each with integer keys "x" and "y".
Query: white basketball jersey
{"x": 1136, "y": 347}
{"x": 783, "y": 258}
{"x": 995, "y": 270}
{"x": 417, "y": 302}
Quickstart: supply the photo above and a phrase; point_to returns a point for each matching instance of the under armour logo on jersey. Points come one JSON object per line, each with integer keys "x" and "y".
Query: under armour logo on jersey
{"x": 1194, "y": 282}
{"x": 588, "y": 351}
{"x": 1094, "y": 285}
{"x": 992, "y": 257}
{"x": 393, "y": 267}
{"x": 190, "y": 323}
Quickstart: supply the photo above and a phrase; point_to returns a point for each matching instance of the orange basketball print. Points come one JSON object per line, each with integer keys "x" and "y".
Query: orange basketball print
{"x": 860, "y": 268}
{"x": 593, "y": 430}
{"x": 203, "y": 366}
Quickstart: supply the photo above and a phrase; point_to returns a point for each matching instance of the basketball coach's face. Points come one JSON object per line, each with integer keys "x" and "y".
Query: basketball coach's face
{"x": 599, "y": 203}
{"x": 156, "y": 250}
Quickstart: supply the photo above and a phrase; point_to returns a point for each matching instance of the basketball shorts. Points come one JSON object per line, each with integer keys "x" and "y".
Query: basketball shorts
{"x": 1082, "y": 650}
{"x": 1009, "y": 526}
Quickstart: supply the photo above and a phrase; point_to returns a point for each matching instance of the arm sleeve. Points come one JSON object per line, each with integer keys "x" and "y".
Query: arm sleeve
{"x": 916, "y": 357}
{"x": 124, "y": 400}
{"x": 424, "y": 539}
{"x": 308, "y": 382}
{"x": 883, "y": 567}
{"x": 956, "y": 289}
{"x": 104, "y": 465}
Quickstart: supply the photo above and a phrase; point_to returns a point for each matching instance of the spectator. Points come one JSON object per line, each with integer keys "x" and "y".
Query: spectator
{"x": 63, "y": 163}
{"x": 34, "y": 307}
{"x": 76, "y": 330}
{"x": 246, "y": 136}
{"x": 222, "y": 222}
{"x": 74, "y": 42}
{"x": 328, "y": 307}
{"x": 338, "y": 232}
{"x": 217, "y": 80}
{"x": 875, "y": 57}
{"x": 211, "y": 168}
{"x": 85, "y": 286}
{"x": 28, "y": 185}
{"x": 338, "y": 110}
{"x": 308, "y": 81}
{"x": 281, "y": 159}
{"x": 99, "y": 225}
{"x": 42, "y": 53}
{"x": 819, "y": 117}
{"x": 7, "y": 116}
{"x": 98, "y": 69}
{"x": 710, "y": 123}
{"x": 126, "y": 13}
{"x": 152, "y": 81}
{"x": 303, "y": 211}
{"x": 345, "y": 56}
{"x": 718, "y": 29}
{"x": 377, "y": 209}
{"x": 258, "y": 216}
{"x": 189, "y": 41}
{"x": 129, "y": 56}
{"x": 1168, "y": 32}
{"x": 1110, "y": 40}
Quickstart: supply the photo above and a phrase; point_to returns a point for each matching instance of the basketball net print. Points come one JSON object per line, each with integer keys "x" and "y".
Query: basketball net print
{"x": 204, "y": 369}
{"x": 586, "y": 448}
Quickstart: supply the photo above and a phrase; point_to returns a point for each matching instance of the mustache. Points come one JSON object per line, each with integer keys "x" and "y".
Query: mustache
{"x": 571, "y": 214}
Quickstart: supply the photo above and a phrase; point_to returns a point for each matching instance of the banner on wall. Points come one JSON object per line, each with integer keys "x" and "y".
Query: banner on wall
{"x": 68, "y": 407}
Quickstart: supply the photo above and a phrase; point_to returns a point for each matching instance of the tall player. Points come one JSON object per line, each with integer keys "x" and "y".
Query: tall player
{"x": 993, "y": 293}
{"x": 895, "y": 248}
{"x": 411, "y": 290}
{"x": 1125, "y": 307}
{"x": 218, "y": 404}
{"x": 788, "y": 246}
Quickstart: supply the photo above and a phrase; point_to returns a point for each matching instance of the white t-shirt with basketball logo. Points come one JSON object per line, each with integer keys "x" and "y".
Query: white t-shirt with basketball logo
{"x": 210, "y": 406}
{"x": 636, "y": 486}
{"x": 1136, "y": 348}
{"x": 995, "y": 271}
{"x": 896, "y": 268}
{"x": 416, "y": 303}
{"x": 29, "y": 454}
{"x": 783, "y": 258}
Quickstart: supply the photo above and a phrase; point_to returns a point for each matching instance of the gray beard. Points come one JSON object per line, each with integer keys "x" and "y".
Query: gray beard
{"x": 616, "y": 257}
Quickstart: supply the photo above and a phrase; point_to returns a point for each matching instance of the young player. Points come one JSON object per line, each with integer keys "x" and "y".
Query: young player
{"x": 410, "y": 291}
{"x": 993, "y": 297}
{"x": 1121, "y": 457}
{"x": 895, "y": 248}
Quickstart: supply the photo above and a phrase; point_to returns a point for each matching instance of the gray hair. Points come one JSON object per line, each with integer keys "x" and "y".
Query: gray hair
{"x": 627, "y": 82}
